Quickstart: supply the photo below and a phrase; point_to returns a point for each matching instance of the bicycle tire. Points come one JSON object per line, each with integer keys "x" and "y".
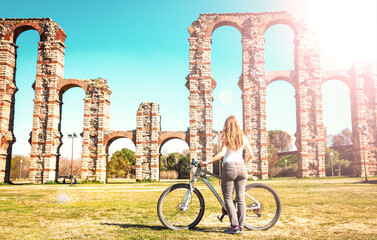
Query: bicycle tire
{"x": 269, "y": 212}
{"x": 168, "y": 208}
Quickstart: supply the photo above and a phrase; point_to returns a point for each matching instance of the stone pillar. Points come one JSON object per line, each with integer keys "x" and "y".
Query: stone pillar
{"x": 96, "y": 126}
{"x": 147, "y": 133}
{"x": 7, "y": 90}
{"x": 310, "y": 137}
{"x": 364, "y": 117}
{"x": 45, "y": 136}
{"x": 253, "y": 86}
{"x": 200, "y": 84}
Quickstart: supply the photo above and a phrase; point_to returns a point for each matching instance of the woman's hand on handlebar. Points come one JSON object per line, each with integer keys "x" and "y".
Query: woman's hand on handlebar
{"x": 202, "y": 164}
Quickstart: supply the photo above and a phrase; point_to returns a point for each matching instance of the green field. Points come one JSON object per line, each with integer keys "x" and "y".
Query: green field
{"x": 328, "y": 208}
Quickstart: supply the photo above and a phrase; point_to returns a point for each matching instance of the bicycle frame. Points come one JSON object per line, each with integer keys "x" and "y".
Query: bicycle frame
{"x": 201, "y": 173}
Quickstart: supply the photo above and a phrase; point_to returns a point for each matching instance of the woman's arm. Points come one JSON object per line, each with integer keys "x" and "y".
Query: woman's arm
{"x": 250, "y": 154}
{"x": 217, "y": 157}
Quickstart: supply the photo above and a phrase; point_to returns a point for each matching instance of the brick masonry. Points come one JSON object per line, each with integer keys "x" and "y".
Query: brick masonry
{"x": 307, "y": 78}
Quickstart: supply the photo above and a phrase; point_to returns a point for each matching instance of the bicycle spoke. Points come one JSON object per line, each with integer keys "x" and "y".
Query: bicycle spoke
{"x": 262, "y": 208}
{"x": 175, "y": 214}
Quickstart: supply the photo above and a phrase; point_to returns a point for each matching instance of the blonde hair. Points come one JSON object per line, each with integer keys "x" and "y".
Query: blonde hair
{"x": 232, "y": 135}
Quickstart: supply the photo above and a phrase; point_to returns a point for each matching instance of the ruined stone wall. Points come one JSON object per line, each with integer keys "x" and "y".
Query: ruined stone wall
{"x": 310, "y": 132}
{"x": 147, "y": 134}
{"x": 45, "y": 136}
{"x": 363, "y": 92}
{"x": 49, "y": 86}
{"x": 96, "y": 126}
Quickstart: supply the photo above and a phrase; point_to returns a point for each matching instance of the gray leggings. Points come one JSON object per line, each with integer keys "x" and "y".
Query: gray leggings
{"x": 234, "y": 176}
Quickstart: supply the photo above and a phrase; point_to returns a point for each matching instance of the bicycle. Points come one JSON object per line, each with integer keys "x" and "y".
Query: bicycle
{"x": 181, "y": 206}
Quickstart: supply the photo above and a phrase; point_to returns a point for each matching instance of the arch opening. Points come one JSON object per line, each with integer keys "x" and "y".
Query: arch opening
{"x": 338, "y": 123}
{"x": 279, "y": 48}
{"x": 121, "y": 159}
{"x": 70, "y": 149}
{"x": 226, "y": 54}
{"x": 22, "y": 105}
{"x": 174, "y": 159}
{"x": 281, "y": 126}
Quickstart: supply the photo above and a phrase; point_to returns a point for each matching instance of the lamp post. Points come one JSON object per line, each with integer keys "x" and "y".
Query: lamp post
{"x": 73, "y": 135}
{"x": 364, "y": 131}
{"x": 285, "y": 162}
{"x": 20, "y": 169}
{"x": 332, "y": 165}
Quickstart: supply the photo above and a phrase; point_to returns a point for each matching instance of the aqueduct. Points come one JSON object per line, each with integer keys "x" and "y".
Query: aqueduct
{"x": 307, "y": 78}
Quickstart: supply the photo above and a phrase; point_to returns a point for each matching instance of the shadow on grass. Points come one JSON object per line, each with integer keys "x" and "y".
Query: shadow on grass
{"x": 369, "y": 182}
{"x": 213, "y": 230}
{"x": 134, "y": 226}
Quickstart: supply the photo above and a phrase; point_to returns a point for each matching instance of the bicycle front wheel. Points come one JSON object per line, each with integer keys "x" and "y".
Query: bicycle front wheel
{"x": 173, "y": 214}
{"x": 263, "y": 207}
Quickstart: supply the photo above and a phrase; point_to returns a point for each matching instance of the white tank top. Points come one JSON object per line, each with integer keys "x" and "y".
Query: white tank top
{"x": 236, "y": 156}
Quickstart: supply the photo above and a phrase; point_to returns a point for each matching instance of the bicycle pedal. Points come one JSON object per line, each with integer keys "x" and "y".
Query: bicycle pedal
{"x": 221, "y": 218}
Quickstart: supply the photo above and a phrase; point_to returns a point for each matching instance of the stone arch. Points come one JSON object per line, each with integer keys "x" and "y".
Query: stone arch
{"x": 286, "y": 20}
{"x": 287, "y": 76}
{"x": 112, "y": 136}
{"x": 66, "y": 84}
{"x": 337, "y": 75}
{"x": 203, "y": 27}
{"x": 166, "y": 136}
{"x": 44, "y": 26}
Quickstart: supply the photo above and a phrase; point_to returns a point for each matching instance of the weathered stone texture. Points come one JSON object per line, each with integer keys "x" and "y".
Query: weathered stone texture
{"x": 147, "y": 149}
{"x": 306, "y": 78}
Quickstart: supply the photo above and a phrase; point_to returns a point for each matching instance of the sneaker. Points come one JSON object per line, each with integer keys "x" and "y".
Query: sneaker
{"x": 233, "y": 230}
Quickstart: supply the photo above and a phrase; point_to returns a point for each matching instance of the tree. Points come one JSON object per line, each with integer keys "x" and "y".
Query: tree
{"x": 162, "y": 163}
{"x": 347, "y": 134}
{"x": 121, "y": 163}
{"x": 344, "y": 165}
{"x": 280, "y": 139}
{"x": 342, "y": 138}
{"x": 15, "y": 167}
{"x": 172, "y": 160}
{"x": 65, "y": 167}
{"x": 184, "y": 167}
{"x": 272, "y": 156}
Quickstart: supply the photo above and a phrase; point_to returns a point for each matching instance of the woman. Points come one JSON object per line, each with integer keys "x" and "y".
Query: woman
{"x": 234, "y": 173}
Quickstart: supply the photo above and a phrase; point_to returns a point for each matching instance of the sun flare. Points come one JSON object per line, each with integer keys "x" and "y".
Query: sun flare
{"x": 347, "y": 29}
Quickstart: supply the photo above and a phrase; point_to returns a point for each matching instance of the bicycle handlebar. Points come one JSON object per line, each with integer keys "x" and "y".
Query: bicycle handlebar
{"x": 193, "y": 162}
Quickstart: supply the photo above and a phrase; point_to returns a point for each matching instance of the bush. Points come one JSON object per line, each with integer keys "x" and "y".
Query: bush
{"x": 345, "y": 165}
{"x": 290, "y": 171}
{"x": 285, "y": 166}
{"x": 169, "y": 174}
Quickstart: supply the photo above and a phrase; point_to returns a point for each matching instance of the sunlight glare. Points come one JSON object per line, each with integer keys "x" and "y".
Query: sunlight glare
{"x": 226, "y": 96}
{"x": 346, "y": 29}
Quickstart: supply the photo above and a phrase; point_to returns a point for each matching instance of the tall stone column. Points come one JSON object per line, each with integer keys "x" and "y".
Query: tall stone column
{"x": 364, "y": 117}
{"x": 147, "y": 133}
{"x": 7, "y": 91}
{"x": 200, "y": 84}
{"x": 253, "y": 86}
{"x": 45, "y": 136}
{"x": 310, "y": 138}
{"x": 96, "y": 126}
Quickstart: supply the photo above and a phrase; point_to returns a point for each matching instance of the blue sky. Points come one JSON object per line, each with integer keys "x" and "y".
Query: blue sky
{"x": 141, "y": 48}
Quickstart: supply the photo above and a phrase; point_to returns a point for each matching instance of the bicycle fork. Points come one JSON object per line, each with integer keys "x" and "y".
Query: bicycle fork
{"x": 185, "y": 203}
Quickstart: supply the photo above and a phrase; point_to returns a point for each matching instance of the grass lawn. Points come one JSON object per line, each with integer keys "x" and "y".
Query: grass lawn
{"x": 328, "y": 208}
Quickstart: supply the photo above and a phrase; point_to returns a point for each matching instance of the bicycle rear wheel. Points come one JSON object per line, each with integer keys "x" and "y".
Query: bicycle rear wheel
{"x": 173, "y": 214}
{"x": 263, "y": 207}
